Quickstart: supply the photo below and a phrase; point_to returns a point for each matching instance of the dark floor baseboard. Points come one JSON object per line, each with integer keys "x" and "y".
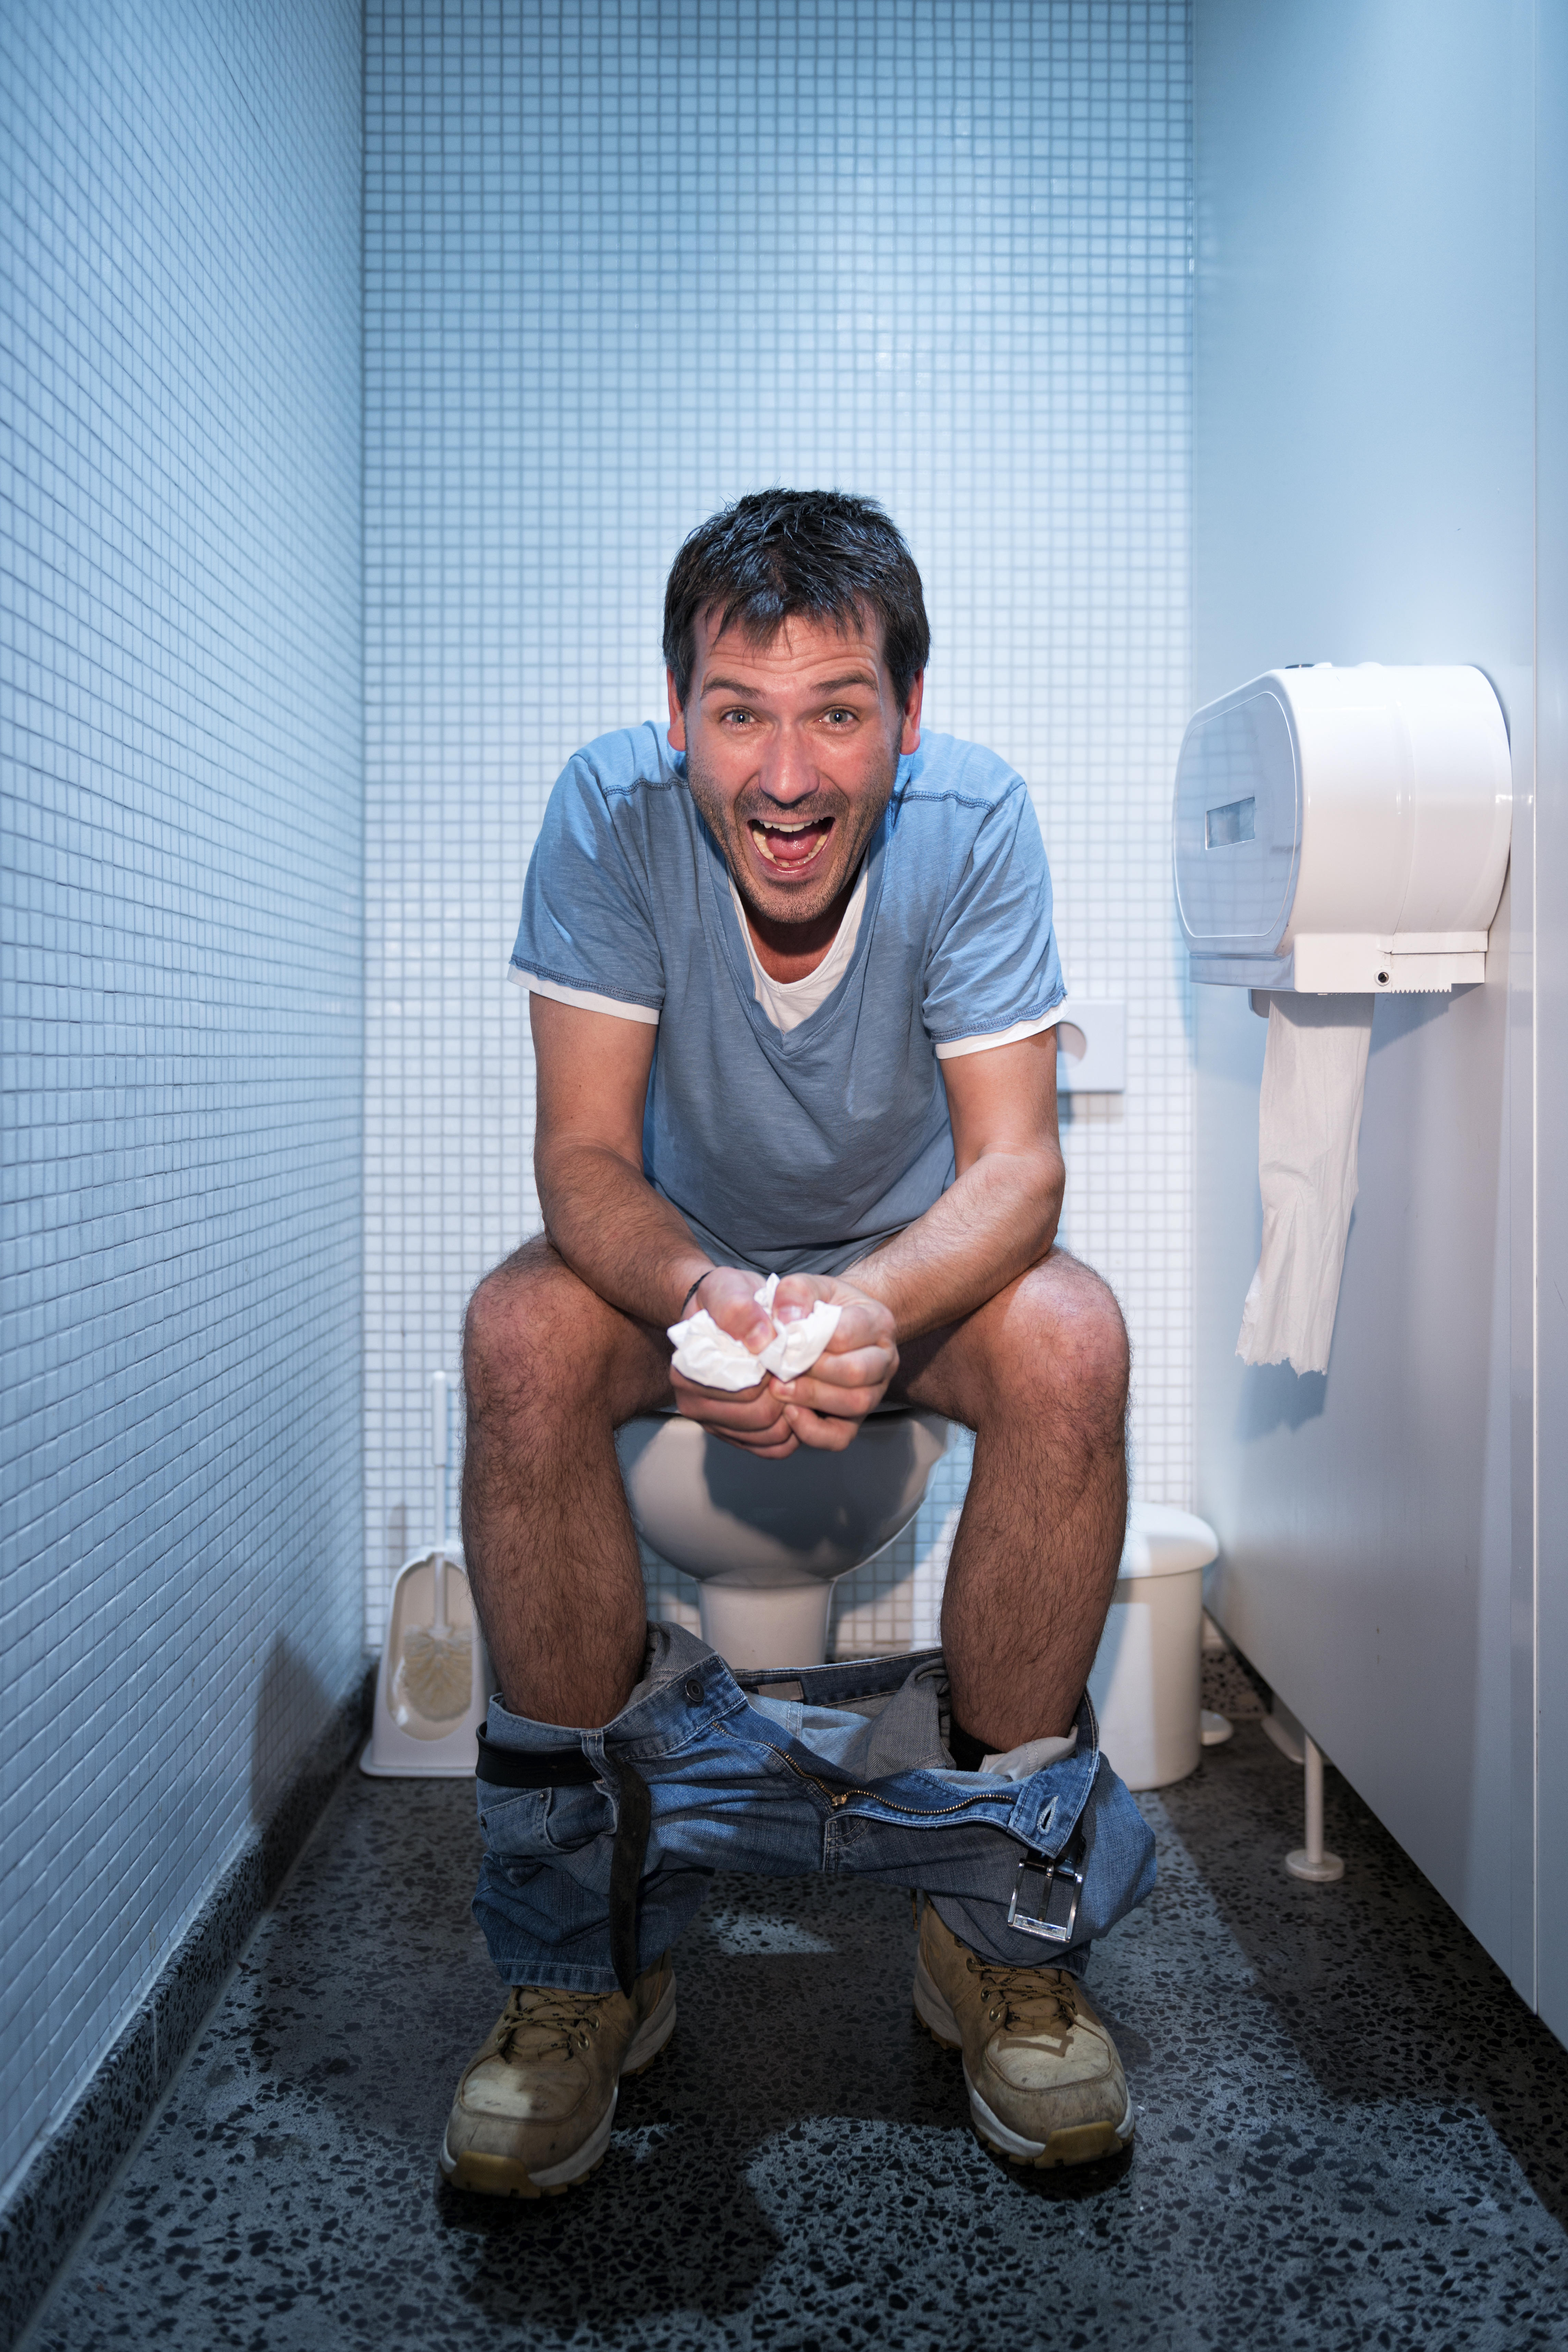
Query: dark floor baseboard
{"x": 55, "y": 2195}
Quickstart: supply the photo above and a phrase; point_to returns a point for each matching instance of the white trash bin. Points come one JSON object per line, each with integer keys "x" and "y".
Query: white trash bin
{"x": 1147, "y": 1680}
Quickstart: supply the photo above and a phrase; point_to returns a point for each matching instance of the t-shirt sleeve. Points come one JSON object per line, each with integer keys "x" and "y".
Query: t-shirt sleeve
{"x": 586, "y": 923}
{"x": 993, "y": 964}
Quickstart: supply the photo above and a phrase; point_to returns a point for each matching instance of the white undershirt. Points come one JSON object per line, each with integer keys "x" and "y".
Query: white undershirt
{"x": 788, "y": 1003}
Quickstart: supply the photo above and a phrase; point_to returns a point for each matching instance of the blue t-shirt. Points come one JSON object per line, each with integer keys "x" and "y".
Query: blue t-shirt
{"x": 798, "y": 1149}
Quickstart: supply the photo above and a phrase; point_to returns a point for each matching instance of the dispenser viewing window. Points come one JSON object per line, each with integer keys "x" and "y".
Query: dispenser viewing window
{"x": 1344, "y": 830}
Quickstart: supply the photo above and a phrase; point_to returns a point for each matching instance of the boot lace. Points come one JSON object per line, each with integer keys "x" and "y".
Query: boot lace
{"x": 1028, "y": 2000}
{"x": 539, "y": 2019}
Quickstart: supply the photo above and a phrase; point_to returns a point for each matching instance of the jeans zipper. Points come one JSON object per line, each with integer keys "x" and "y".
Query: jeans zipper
{"x": 837, "y": 1797}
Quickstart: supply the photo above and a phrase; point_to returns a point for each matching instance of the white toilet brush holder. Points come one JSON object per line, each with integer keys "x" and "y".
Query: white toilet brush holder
{"x": 432, "y": 1688}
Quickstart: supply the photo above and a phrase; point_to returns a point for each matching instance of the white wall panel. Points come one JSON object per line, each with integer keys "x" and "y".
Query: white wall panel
{"x": 1364, "y": 454}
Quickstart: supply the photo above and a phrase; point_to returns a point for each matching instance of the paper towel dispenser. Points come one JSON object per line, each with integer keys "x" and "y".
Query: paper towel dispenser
{"x": 1343, "y": 829}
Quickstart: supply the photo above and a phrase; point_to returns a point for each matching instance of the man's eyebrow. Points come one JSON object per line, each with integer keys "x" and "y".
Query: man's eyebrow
{"x": 827, "y": 684}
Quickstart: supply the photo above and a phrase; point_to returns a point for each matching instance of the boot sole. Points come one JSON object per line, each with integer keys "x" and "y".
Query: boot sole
{"x": 506, "y": 2176}
{"x": 1074, "y": 2144}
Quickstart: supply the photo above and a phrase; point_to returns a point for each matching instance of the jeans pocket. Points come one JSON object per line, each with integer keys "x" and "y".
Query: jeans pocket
{"x": 575, "y": 1817}
{"x": 531, "y": 1824}
{"x": 513, "y": 1820}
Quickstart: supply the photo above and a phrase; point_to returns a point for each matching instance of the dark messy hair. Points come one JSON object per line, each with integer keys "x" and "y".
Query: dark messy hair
{"x": 779, "y": 553}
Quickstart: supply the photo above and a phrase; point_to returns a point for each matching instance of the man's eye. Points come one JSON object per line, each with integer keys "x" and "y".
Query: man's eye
{"x": 737, "y": 719}
{"x": 836, "y": 717}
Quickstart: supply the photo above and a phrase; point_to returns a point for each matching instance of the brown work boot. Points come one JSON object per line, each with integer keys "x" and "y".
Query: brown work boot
{"x": 534, "y": 2107}
{"x": 1046, "y": 2085}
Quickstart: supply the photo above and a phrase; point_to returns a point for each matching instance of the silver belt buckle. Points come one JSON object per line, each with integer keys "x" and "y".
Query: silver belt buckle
{"x": 1040, "y": 1922}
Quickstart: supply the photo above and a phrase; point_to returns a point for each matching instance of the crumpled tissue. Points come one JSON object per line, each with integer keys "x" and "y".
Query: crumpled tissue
{"x": 1309, "y": 1127}
{"x": 710, "y": 1357}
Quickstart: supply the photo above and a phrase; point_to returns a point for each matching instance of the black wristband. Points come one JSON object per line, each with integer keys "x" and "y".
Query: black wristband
{"x": 693, "y": 1293}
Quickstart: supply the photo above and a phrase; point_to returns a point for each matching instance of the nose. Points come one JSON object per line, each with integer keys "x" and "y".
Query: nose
{"x": 788, "y": 771}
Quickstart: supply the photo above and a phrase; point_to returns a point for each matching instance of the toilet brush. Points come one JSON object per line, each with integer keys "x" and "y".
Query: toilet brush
{"x": 437, "y": 1670}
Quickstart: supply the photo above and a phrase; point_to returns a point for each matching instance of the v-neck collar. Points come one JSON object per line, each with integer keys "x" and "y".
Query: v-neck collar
{"x": 823, "y": 977}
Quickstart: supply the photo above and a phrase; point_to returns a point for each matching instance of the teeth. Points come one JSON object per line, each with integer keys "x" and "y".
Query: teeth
{"x": 760, "y": 835}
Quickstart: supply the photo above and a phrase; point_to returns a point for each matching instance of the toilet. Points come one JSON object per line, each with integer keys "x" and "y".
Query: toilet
{"x": 768, "y": 1541}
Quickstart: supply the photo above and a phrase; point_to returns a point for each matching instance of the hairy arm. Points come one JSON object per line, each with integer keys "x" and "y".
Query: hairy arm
{"x": 600, "y": 1211}
{"x": 999, "y": 1216}
{"x": 995, "y": 1221}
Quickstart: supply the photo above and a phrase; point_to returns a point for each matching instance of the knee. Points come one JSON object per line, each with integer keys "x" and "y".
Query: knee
{"x": 528, "y": 1337}
{"x": 1067, "y": 1347}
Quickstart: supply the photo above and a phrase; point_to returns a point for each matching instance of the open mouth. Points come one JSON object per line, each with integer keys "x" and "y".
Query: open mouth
{"x": 790, "y": 849}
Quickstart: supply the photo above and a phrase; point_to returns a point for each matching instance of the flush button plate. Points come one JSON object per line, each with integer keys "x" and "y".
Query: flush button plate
{"x": 1091, "y": 1048}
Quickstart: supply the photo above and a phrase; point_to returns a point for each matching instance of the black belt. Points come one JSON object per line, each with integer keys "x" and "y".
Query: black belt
{"x": 512, "y": 1767}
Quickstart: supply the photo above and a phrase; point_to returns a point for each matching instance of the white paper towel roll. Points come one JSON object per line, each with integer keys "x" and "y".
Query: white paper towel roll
{"x": 1314, "y": 1076}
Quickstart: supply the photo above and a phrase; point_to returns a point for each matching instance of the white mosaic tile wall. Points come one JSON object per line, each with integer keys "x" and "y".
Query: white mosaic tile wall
{"x": 180, "y": 928}
{"x": 624, "y": 261}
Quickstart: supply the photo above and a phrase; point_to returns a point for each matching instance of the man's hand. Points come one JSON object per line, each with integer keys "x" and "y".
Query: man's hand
{"x": 823, "y": 1408}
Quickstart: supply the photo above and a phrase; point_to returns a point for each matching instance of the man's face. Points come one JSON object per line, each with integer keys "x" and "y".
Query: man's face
{"x": 791, "y": 751}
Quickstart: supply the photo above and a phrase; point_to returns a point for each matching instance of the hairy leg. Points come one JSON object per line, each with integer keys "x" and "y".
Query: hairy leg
{"x": 1040, "y": 1375}
{"x": 551, "y": 1372}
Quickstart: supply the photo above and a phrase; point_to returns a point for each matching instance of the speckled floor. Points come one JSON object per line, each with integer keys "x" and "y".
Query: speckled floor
{"x": 1351, "y": 2132}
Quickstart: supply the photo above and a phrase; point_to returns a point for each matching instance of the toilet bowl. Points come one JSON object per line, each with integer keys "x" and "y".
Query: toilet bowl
{"x": 768, "y": 1540}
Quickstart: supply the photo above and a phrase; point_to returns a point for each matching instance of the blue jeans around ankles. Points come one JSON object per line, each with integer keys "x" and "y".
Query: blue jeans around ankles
{"x": 837, "y": 1768}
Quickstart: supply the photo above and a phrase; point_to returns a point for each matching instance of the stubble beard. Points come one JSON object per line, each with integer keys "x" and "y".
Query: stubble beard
{"x": 855, "y": 821}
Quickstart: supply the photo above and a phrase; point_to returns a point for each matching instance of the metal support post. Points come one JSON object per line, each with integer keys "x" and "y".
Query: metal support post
{"x": 1313, "y": 1861}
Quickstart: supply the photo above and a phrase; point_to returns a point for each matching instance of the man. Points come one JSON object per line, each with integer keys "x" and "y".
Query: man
{"x": 792, "y": 984}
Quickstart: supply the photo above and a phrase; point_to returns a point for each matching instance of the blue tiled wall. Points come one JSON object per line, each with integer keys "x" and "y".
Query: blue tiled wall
{"x": 625, "y": 260}
{"x": 181, "y": 766}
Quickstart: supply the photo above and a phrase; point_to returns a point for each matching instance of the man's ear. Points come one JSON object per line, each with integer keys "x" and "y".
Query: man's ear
{"x": 910, "y": 740}
{"x": 677, "y": 716}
